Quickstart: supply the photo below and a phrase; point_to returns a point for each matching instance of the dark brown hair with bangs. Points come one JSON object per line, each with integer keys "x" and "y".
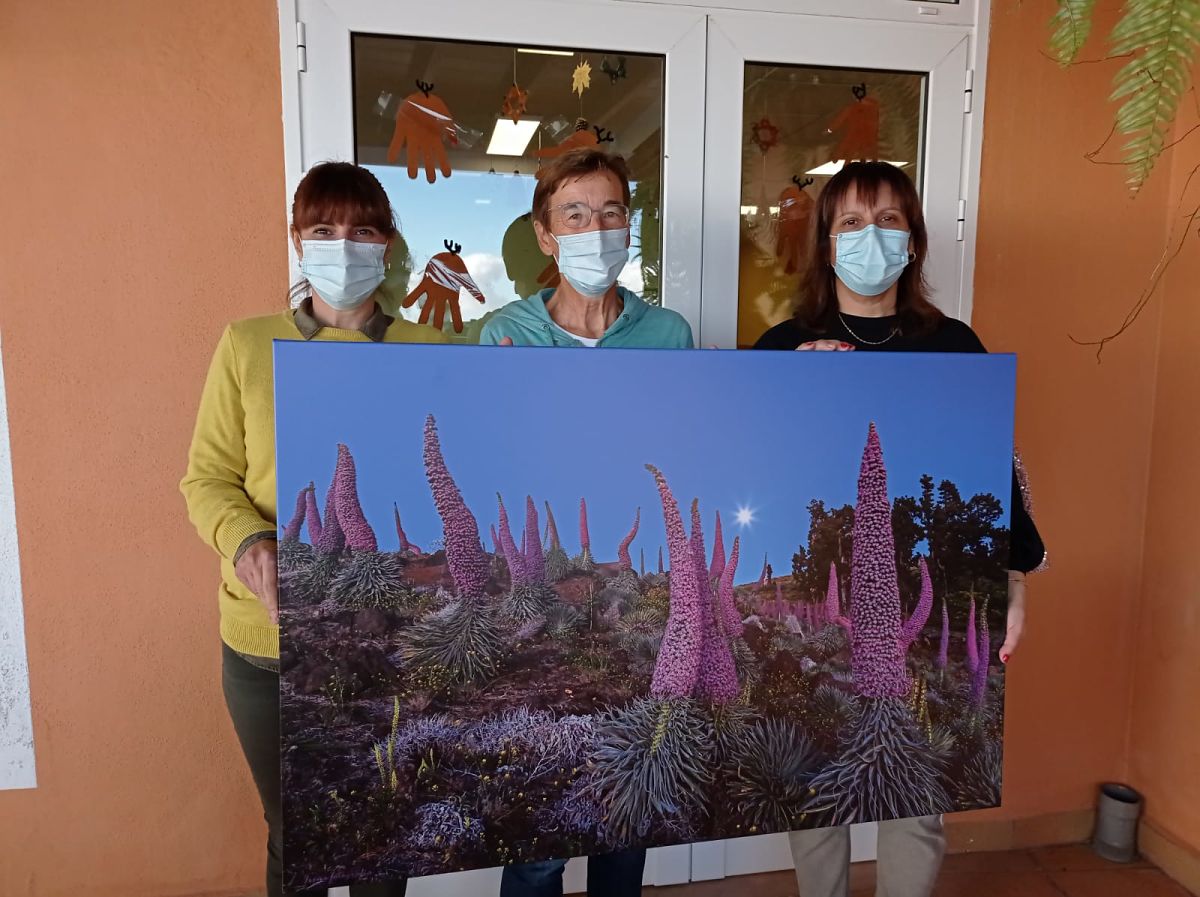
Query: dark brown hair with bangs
{"x": 818, "y": 305}
{"x": 569, "y": 166}
{"x": 342, "y": 193}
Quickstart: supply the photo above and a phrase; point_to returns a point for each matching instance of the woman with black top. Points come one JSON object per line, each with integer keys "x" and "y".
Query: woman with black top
{"x": 864, "y": 290}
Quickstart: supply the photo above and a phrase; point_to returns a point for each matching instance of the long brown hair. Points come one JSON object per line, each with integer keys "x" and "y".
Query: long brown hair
{"x": 817, "y": 307}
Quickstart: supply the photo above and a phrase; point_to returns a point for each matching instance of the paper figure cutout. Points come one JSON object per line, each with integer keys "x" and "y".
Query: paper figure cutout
{"x": 584, "y": 136}
{"x": 524, "y": 262}
{"x": 581, "y": 78}
{"x": 764, "y": 134}
{"x": 614, "y": 72}
{"x": 445, "y": 275}
{"x": 859, "y": 124}
{"x": 514, "y": 103}
{"x": 795, "y": 212}
{"x": 425, "y": 124}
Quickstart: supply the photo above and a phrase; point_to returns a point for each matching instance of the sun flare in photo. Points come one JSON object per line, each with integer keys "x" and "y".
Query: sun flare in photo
{"x": 744, "y": 516}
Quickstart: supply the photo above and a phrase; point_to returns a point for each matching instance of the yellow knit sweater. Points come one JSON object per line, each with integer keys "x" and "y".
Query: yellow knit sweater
{"x": 230, "y": 480}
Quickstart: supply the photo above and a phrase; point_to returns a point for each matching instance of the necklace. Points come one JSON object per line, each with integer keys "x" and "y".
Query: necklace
{"x": 867, "y": 342}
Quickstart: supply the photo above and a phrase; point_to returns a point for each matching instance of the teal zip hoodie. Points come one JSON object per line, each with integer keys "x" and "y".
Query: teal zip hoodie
{"x": 638, "y": 326}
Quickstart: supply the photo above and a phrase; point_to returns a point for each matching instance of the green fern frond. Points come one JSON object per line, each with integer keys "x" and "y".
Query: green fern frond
{"x": 1162, "y": 35}
{"x": 1072, "y": 23}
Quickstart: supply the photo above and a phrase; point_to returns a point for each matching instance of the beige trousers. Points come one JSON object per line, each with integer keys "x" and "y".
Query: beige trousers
{"x": 907, "y": 859}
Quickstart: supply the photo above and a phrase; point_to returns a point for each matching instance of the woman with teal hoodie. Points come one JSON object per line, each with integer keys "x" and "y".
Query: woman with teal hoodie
{"x": 581, "y": 218}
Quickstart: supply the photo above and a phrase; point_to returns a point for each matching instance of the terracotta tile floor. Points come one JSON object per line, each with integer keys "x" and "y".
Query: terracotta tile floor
{"x": 1071, "y": 871}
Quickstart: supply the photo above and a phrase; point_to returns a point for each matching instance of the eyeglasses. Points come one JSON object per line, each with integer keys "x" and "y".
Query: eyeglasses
{"x": 578, "y": 215}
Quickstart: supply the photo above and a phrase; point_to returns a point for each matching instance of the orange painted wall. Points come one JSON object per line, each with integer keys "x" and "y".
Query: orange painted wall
{"x": 143, "y": 187}
{"x": 1164, "y": 751}
{"x": 1063, "y": 251}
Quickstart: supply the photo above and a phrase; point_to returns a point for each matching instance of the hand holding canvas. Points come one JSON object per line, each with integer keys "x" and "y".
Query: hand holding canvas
{"x": 825, "y": 345}
{"x": 257, "y": 570}
{"x": 1016, "y": 614}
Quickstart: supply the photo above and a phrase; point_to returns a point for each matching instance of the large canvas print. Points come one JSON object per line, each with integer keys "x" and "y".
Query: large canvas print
{"x": 545, "y": 603}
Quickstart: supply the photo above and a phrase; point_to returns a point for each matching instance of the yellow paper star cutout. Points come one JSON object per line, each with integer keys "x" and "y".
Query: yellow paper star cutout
{"x": 581, "y": 80}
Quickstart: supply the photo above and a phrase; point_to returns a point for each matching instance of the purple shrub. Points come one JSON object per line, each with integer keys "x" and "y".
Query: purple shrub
{"x": 678, "y": 666}
{"x": 979, "y": 676}
{"x": 516, "y": 563}
{"x": 406, "y": 547}
{"x": 623, "y": 557}
{"x": 312, "y": 515}
{"x": 359, "y": 535}
{"x": 718, "y": 553}
{"x": 729, "y": 616}
{"x": 762, "y": 577}
{"x": 291, "y": 532}
{"x": 876, "y": 655}
{"x": 332, "y": 540}
{"x": 699, "y": 562}
{"x": 535, "y": 562}
{"x": 468, "y": 565}
{"x": 972, "y": 640}
{"x": 943, "y": 655}
{"x": 445, "y": 825}
{"x": 920, "y": 615}
{"x": 495, "y": 540}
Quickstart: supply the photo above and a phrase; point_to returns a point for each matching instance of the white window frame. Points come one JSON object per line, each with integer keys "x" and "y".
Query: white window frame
{"x": 318, "y": 113}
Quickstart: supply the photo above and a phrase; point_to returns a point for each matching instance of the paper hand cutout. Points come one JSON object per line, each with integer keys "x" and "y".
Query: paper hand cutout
{"x": 445, "y": 275}
{"x": 795, "y": 212}
{"x": 859, "y": 124}
{"x": 584, "y": 136}
{"x": 424, "y": 123}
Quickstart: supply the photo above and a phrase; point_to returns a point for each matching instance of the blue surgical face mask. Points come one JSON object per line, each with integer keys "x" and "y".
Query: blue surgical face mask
{"x": 592, "y": 261}
{"x": 343, "y": 272}
{"x": 870, "y": 260}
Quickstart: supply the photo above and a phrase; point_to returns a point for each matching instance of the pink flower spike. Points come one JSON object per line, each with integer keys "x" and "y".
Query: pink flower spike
{"x": 359, "y": 535}
{"x": 291, "y": 532}
{"x": 623, "y": 557}
{"x": 677, "y": 669}
{"x": 877, "y": 658}
{"x": 469, "y": 566}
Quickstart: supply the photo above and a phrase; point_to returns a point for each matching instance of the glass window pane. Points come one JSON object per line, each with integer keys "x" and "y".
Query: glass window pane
{"x": 801, "y": 124}
{"x": 426, "y": 107}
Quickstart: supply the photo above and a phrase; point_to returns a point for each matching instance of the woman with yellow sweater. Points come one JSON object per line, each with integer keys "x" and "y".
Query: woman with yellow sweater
{"x": 343, "y": 228}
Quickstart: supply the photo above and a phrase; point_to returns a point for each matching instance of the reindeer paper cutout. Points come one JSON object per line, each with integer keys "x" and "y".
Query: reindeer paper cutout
{"x": 584, "y": 136}
{"x": 859, "y": 124}
{"x": 795, "y": 214}
{"x": 424, "y": 123}
{"x": 445, "y": 276}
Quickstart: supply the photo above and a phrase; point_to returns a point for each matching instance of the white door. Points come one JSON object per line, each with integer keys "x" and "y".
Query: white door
{"x": 791, "y": 96}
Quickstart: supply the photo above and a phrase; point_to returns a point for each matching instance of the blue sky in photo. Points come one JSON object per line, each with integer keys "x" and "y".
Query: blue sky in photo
{"x": 768, "y": 431}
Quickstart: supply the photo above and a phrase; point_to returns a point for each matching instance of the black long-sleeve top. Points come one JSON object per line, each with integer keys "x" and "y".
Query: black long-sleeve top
{"x": 1026, "y": 549}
